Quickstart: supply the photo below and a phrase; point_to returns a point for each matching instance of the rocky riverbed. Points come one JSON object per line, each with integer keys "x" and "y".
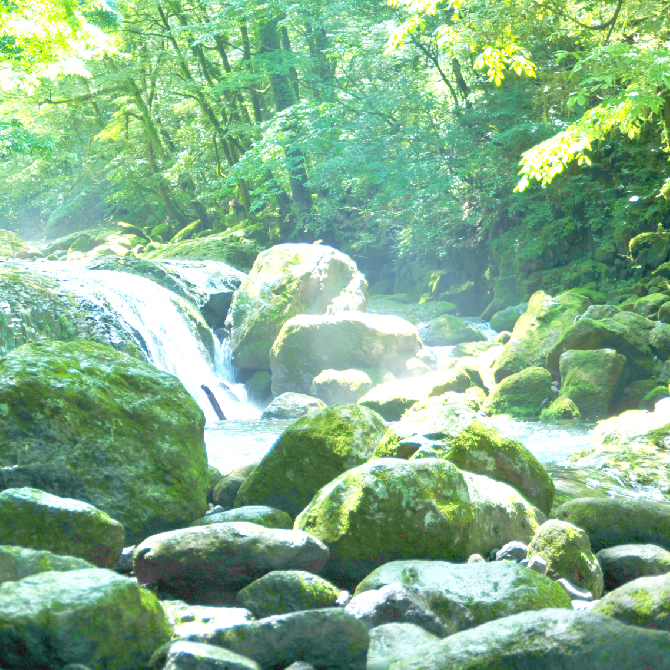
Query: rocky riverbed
{"x": 404, "y": 501}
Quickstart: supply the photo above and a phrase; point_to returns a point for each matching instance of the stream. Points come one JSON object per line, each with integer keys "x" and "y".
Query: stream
{"x": 164, "y": 327}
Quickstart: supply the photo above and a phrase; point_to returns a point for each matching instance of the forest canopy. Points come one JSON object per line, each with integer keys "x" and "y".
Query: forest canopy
{"x": 411, "y": 132}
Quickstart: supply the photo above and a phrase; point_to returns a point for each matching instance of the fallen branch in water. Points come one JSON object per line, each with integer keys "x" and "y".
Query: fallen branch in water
{"x": 213, "y": 401}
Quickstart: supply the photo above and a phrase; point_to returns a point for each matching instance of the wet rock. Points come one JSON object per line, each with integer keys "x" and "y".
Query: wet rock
{"x": 225, "y": 491}
{"x": 205, "y": 563}
{"x": 561, "y": 409}
{"x": 335, "y": 387}
{"x": 292, "y": 406}
{"x": 287, "y": 591}
{"x": 259, "y": 514}
{"x": 392, "y": 642}
{"x": 521, "y": 395}
{"x": 114, "y": 431}
{"x": 124, "y": 565}
{"x": 198, "y": 619}
{"x": 117, "y": 623}
{"x": 626, "y": 562}
{"x": 506, "y": 319}
{"x": 391, "y": 509}
{"x": 325, "y": 638}
{"x": 310, "y": 453}
{"x": 447, "y": 330}
{"x": 551, "y": 638}
{"x": 38, "y": 520}
{"x": 19, "y": 562}
{"x": 307, "y": 345}
{"x": 395, "y": 603}
{"x": 286, "y": 280}
{"x": 567, "y": 550}
{"x": 512, "y": 551}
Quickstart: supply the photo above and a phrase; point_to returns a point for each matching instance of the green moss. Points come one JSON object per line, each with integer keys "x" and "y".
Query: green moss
{"x": 561, "y": 409}
{"x": 521, "y": 395}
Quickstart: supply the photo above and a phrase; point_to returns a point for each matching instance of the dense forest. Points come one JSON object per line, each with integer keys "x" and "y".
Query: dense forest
{"x": 459, "y": 150}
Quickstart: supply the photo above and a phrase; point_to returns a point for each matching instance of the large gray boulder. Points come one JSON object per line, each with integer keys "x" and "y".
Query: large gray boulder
{"x": 38, "y": 520}
{"x": 391, "y": 509}
{"x": 307, "y": 345}
{"x": 207, "y": 563}
{"x": 626, "y": 562}
{"x": 612, "y": 521}
{"x": 336, "y": 387}
{"x": 81, "y": 420}
{"x": 555, "y": 639}
{"x": 394, "y": 641}
{"x": 19, "y": 562}
{"x": 185, "y": 655}
{"x": 448, "y": 330}
{"x": 310, "y": 453}
{"x": 259, "y": 514}
{"x": 93, "y": 617}
{"x": 325, "y": 638}
{"x": 287, "y": 280}
{"x": 290, "y": 406}
{"x": 485, "y": 590}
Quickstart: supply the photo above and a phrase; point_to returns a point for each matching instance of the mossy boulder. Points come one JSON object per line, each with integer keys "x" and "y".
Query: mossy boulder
{"x": 267, "y": 517}
{"x": 649, "y": 250}
{"x": 649, "y": 305}
{"x": 625, "y": 562}
{"x": 259, "y": 387}
{"x": 659, "y": 339}
{"x": 633, "y": 447}
{"x": 310, "y": 453}
{"x": 521, "y": 395}
{"x": 537, "y": 331}
{"x": 643, "y": 602}
{"x": 393, "y": 399}
{"x": 307, "y": 345}
{"x": 505, "y": 319}
{"x": 626, "y": 333}
{"x": 391, "y": 509}
{"x": 448, "y": 330}
{"x": 206, "y": 564}
{"x": 391, "y": 642}
{"x": 92, "y": 617}
{"x": 285, "y": 591}
{"x": 562, "y": 409}
{"x": 664, "y": 312}
{"x": 335, "y": 387}
{"x": 10, "y": 244}
{"x": 19, "y": 562}
{"x": 567, "y": 551}
{"x": 412, "y": 312}
{"x": 614, "y": 521}
{"x": 591, "y": 380}
{"x": 486, "y": 590}
{"x": 38, "y": 520}
{"x": 292, "y": 406}
{"x": 287, "y": 280}
{"x": 550, "y": 638}
{"x": 81, "y": 420}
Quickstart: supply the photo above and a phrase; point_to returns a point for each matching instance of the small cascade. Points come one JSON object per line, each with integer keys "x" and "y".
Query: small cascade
{"x": 170, "y": 332}
{"x": 484, "y": 327}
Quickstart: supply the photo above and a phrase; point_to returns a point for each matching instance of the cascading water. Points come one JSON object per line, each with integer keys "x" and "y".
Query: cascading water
{"x": 166, "y": 329}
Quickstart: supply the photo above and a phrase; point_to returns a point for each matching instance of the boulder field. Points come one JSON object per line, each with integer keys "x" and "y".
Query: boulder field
{"x": 391, "y": 525}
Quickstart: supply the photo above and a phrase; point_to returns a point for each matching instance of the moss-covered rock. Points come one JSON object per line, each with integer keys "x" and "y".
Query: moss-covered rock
{"x": 625, "y": 332}
{"x": 447, "y": 330}
{"x": 614, "y": 521}
{"x": 285, "y": 591}
{"x": 310, "y": 453}
{"x": 562, "y": 409}
{"x": 225, "y": 491}
{"x": 521, "y": 395}
{"x": 643, "y": 602}
{"x": 92, "y": 617}
{"x": 664, "y": 312}
{"x": 649, "y": 305}
{"x": 307, "y": 345}
{"x": 83, "y": 421}
{"x": 414, "y": 313}
{"x": 659, "y": 339}
{"x": 10, "y": 244}
{"x": 551, "y": 638}
{"x": 292, "y": 406}
{"x": 391, "y": 509}
{"x": 38, "y": 520}
{"x": 591, "y": 379}
{"x": 656, "y": 394}
{"x": 206, "y": 564}
{"x": 19, "y": 562}
{"x": 537, "y": 331}
{"x": 259, "y": 387}
{"x": 486, "y": 590}
{"x": 625, "y": 562}
{"x": 285, "y": 281}
{"x": 393, "y": 399}
{"x": 336, "y": 387}
{"x": 267, "y": 517}
{"x": 649, "y": 250}
{"x": 391, "y": 642}
{"x": 505, "y": 319}
{"x": 567, "y": 550}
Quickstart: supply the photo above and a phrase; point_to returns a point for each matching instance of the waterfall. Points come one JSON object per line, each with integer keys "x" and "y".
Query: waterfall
{"x": 168, "y": 329}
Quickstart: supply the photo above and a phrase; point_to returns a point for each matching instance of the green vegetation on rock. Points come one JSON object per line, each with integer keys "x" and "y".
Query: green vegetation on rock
{"x": 521, "y": 395}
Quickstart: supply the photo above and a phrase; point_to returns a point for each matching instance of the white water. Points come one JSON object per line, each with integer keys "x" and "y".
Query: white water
{"x": 169, "y": 337}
